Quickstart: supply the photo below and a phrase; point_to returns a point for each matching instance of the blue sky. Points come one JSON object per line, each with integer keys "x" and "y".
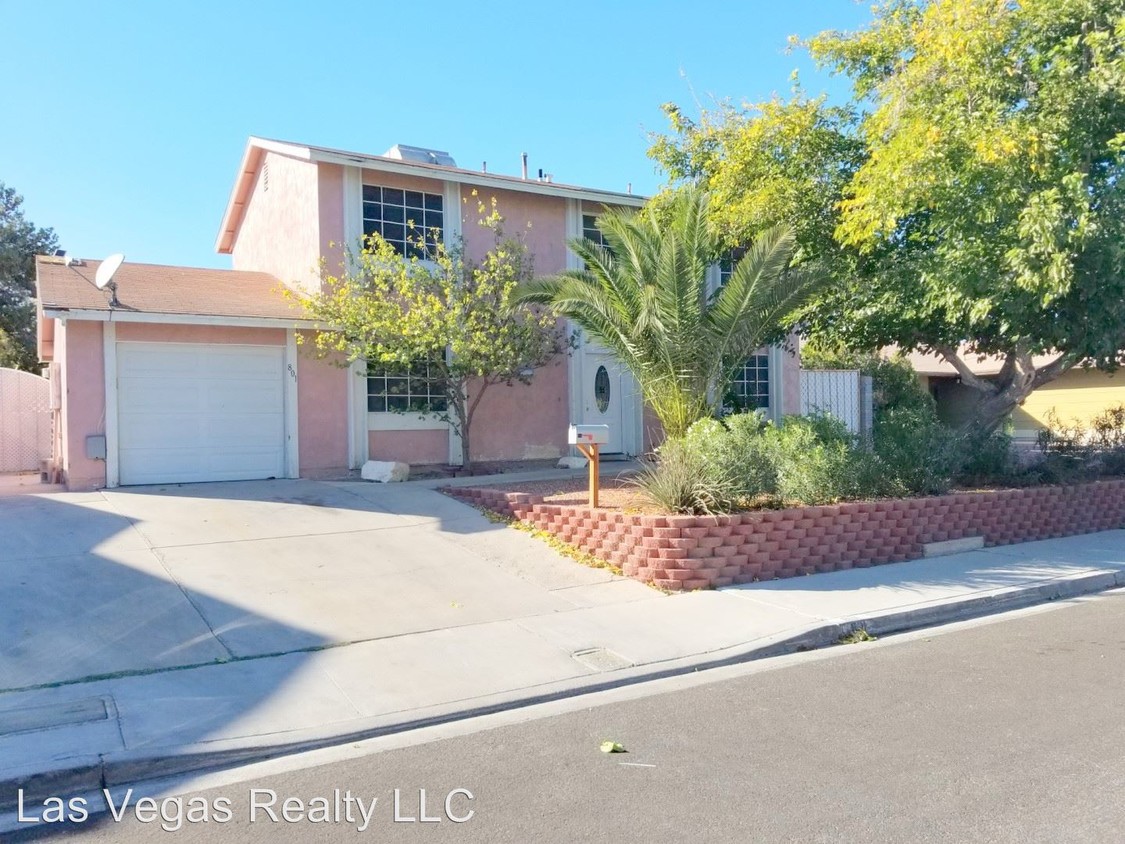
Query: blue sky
{"x": 124, "y": 122}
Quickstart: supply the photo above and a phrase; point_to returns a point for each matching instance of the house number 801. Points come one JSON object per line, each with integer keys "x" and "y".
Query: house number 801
{"x": 292, "y": 371}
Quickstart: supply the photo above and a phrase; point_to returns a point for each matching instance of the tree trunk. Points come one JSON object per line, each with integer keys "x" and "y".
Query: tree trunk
{"x": 463, "y": 421}
{"x": 991, "y": 410}
{"x": 999, "y": 395}
{"x": 466, "y": 460}
{"x": 465, "y": 410}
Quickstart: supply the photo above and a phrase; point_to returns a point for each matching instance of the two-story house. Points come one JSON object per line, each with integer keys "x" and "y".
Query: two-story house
{"x": 182, "y": 374}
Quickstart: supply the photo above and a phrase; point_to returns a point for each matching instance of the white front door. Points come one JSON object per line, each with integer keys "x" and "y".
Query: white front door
{"x": 603, "y": 394}
{"x": 200, "y": 412}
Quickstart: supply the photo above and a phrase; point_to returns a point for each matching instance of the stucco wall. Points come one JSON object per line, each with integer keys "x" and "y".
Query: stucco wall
{"x": 330, "y": 211}
{"x": 79, "y": 352}
{"x": 322, "y": 414}
{"x": 280, "y": 230}
{"x": 524, "y": 421}
{"x": 409, "y": 446}
{"x": 790, "y": 383}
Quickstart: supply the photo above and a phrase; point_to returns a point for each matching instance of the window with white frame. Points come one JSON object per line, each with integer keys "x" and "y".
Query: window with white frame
{"x": 590, "y": 230}
{"x": 728, "y": 262}
{"x": 409, "y": 220}
{"x": 417, "y": 388}
{"x": 751, "y": 385}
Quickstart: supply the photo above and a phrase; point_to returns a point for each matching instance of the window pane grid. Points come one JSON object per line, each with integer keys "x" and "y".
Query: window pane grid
{"x": 590, "y": 229}
{"x": 727, "y": 263}
{"x": 417, "y": 388}
{"x": 752, "y": 382}
{"x": 402, "y": 217}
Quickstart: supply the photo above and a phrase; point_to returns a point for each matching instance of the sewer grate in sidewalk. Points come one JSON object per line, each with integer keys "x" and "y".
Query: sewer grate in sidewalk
{"x": 31, "y": 718}
{"x": 601, "y": 659}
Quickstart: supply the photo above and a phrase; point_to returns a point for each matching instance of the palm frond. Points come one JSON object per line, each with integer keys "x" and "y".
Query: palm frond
{"x": 645, "y": 296}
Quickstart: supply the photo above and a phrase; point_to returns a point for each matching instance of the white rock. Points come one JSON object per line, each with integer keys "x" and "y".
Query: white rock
{"x": 385, "y": 471}
{"x": 573, "y": 461}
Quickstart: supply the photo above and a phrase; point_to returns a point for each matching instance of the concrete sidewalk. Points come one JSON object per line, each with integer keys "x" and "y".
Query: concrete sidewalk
{"x": 82, "y": 736}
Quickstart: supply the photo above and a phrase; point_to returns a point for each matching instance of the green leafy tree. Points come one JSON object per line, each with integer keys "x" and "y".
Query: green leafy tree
{"x": 20, "y": 242}
{"x": 450, "y": 316}
{"x": 646, "y": 297}
{"x": 969, "y": 200}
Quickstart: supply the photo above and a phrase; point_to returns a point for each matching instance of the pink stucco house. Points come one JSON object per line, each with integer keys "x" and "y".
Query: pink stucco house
{"x": 197, "y": 375}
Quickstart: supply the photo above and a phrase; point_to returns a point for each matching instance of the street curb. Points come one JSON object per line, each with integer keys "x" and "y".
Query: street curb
{"x": 90, "y": 773}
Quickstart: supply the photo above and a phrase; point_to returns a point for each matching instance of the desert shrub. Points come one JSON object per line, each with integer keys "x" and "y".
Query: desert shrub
{"x": 683, "y": 480}
{"x": 987, "y": 458}
{"x": 1107, "y": 429}
{"x": 820, "y": 462}
{"x": 918, "y": 453}
{"x": 1066, "y": 455}
{"x": 1112, "y": 461}
{"x": 1071, "y": 452}
{"x": 1065, "y": 439}
{"x": 737, "y": 445}
{"x": 1108, "y": 433}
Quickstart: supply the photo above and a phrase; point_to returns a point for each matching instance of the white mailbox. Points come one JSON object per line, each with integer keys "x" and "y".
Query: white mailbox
{"x": 588, "y": 435}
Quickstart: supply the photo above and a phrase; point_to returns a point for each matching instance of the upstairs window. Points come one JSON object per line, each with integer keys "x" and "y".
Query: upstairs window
{"x": 417, "y": 388}
{"x": 590, "y": 230}
{"x": 728, "y": 262}
{"x": 403, "y": 217}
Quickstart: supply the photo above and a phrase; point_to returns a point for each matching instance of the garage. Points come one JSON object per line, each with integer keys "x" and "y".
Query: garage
{"x": 189, "y": 412}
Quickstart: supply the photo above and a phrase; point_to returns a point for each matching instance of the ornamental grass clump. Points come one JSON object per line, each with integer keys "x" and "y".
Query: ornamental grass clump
{"x": 682, "y": 480}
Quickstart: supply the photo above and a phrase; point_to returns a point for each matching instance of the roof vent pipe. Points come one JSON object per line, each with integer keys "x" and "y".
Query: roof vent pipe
{"x": 484, "y": 166}
{"x": 629, "y": 189}
{"x": 524, "y": 157}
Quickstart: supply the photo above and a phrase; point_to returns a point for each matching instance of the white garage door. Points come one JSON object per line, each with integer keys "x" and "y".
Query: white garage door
{"x": 194, "y": 412}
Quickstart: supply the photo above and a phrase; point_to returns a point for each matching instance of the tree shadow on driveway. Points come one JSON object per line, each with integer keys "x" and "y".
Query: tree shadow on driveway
{"x": 108, "y": 596}
{"x": 94, "y": 635}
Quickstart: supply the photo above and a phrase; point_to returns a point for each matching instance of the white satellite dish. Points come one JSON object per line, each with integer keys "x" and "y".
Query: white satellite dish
{"x": 103, "y": 278}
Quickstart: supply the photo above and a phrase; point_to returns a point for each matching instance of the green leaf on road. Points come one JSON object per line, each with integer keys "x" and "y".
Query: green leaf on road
{"x": 612, "y": 747}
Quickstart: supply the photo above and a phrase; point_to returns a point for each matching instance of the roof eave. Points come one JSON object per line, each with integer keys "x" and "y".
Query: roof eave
{"x": 117, "y": 315}
{"x": 458, "y": 174}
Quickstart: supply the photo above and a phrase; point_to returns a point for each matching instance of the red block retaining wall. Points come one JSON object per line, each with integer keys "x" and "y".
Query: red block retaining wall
{"x": 700, "y": 552}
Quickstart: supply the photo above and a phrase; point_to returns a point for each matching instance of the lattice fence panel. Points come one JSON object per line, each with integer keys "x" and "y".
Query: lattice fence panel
{"x": 25, "y": 421}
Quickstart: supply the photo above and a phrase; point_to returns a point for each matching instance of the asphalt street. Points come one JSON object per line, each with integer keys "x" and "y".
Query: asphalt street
{"x": 1006, "y": 730}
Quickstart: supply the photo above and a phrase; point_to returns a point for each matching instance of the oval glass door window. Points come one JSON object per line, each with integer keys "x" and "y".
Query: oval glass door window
{"x": 601, "y": 389}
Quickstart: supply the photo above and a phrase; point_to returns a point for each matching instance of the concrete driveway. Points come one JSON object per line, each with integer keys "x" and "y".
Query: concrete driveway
{"x": 144, "y": 578}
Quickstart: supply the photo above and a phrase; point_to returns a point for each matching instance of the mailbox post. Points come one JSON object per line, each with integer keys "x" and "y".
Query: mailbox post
{"x": 587, "y": 438}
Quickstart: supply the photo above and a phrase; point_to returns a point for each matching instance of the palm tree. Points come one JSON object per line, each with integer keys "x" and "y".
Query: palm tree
{"x": 645, "y": 296}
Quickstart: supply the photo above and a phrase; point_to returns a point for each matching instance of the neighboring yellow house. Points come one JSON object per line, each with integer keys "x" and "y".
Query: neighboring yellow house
{"x": 1078, "y": 395}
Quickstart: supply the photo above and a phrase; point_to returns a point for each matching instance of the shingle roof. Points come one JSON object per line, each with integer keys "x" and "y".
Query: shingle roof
{"x": 157, "y": 289}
